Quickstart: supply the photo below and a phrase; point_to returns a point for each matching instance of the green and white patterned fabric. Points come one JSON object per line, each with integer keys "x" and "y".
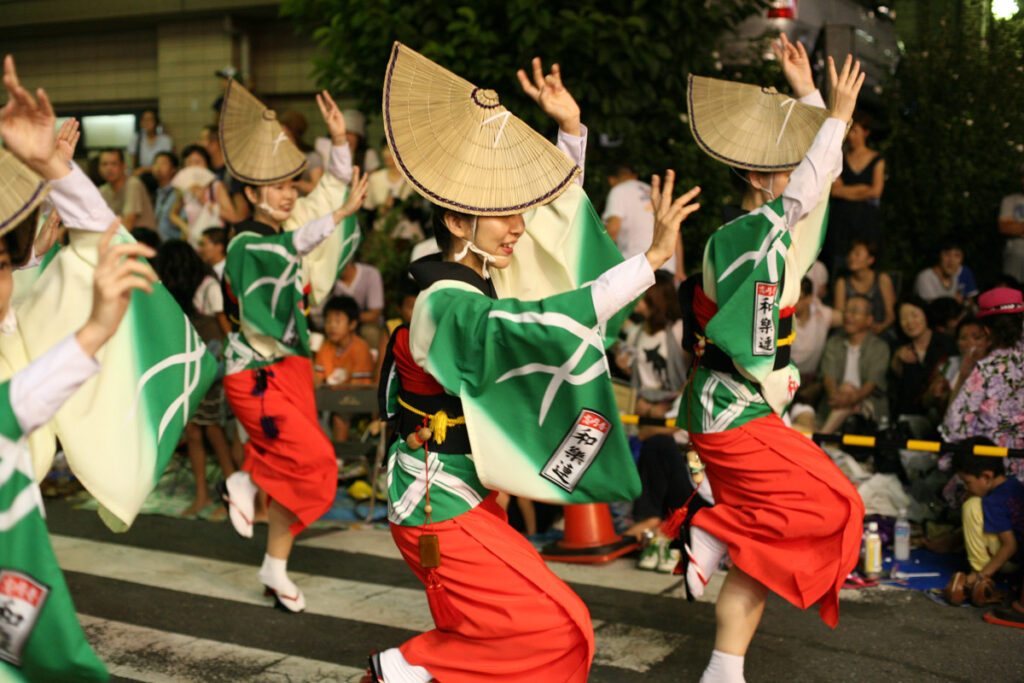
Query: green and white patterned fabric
{"x": 120, "y": 429}
{"x": 40, "y": 637}
{"x": 752, "y": 269}
{"x": 269, "y": 277}
{"x": 531, "y": 374}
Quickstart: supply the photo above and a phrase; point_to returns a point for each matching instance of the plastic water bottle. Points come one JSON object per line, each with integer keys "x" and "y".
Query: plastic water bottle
{"x": 901, "y": 537}
{"x": 872, "y": 552}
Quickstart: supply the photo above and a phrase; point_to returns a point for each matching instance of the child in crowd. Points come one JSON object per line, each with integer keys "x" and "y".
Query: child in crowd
{"x": 199, "y": 295}
{"x": 344, "y": 358}
{"x": 993, "y": 520}
{"x": 865, "y": 280}
{"x": 213, "y": 248}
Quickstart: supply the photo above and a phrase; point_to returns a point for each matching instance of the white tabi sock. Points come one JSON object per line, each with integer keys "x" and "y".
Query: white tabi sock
{"x": 723, "y": 668}
{"x": 708, "y": 552}
{"x": 274, "y": 573}
{"x": 397, "y": 670}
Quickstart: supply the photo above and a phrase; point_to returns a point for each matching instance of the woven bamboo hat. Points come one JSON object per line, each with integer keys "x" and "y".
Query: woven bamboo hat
{"x": 460, "y": 148}
{"x": 21, "y": 193}
{"x": 256, "y": 149}
{"x": 750, "y": 127}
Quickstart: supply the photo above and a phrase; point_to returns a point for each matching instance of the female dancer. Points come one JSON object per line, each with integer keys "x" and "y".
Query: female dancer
{"x": 500, "y": 612}
{"x": 269, "y": 378}
{"x": 786, "y": 515}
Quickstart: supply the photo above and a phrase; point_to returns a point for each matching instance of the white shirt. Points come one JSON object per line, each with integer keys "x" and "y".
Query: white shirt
{"x": 811, "y": 336}
{"x": 208, "y": 299}
{"x": 851, "y": 374}
{"x": 630, "y": 202}
{"x": 218, "y": 269}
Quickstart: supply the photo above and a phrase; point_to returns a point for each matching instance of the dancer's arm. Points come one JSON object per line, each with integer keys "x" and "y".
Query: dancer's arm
{"x": 557, "y": 102}
{"x": 39, "y": 390}
{"x": 317, "y": 230}
{"x": 340, "y": 163}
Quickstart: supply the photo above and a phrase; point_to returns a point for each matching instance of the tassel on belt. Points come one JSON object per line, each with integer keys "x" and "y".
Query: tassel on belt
{"x": 439, "y": 422}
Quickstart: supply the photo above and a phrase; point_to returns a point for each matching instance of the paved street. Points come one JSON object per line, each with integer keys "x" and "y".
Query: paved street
{"x": 178, "y": 600}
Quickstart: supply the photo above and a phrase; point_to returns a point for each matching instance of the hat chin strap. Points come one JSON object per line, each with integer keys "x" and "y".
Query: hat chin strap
{"x": 276, "y": 214}
{"x": 488, "y": 259}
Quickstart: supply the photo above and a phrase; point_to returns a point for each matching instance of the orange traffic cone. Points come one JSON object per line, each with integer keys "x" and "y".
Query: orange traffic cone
{"x": 589, "y": 537}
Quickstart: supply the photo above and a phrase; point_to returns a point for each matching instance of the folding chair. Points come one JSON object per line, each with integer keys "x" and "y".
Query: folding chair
{"x": 346, "y": 403}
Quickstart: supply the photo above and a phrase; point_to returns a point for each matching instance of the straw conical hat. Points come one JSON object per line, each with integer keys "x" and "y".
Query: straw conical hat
{"x": 460, "y": 148}
{"x": 750, "y": 127}
{"x": 256, "y": 149}
{"x": 21, "y": 191}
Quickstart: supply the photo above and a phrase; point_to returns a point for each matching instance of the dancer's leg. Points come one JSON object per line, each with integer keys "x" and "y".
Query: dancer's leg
{"x": 274, "y": 572}
{"x": 738, "y": 612}
{"x": 279, "y": 536}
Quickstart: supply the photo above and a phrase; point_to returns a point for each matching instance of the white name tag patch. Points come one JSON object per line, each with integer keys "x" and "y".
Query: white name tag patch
{"x": 578, "y": 450}
{"x": 21, "y": 600}
{"x": 763, "y": 339}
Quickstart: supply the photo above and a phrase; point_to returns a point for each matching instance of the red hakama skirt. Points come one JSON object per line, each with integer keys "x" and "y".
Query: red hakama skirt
{"x": 520, "y": 623}
{"x": 791, "y": 518}
{"x": 297, "y": 467}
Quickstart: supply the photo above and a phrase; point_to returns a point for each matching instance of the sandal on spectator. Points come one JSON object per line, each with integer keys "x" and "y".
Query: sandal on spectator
{"x": 956, "y": 590}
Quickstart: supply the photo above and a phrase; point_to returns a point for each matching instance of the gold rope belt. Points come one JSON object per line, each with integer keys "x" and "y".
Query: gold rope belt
{"x": 439, "y": 421}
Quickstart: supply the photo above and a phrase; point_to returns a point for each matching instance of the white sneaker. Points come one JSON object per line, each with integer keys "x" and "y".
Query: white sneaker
{"x": 286, "y": 594}
{"x": 240, "y": 494}
{"x": 652, "y": 554}
{"x": 669, "y": 561}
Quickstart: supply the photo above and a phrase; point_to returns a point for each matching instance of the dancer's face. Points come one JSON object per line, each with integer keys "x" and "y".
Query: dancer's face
{"x": 496, "y": 235}
{"x": 280, "y": 197}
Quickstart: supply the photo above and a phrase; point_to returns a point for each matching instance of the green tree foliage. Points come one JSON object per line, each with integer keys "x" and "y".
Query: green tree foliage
{"x": 626, "y": 62}
{"x": 957, "y": 142}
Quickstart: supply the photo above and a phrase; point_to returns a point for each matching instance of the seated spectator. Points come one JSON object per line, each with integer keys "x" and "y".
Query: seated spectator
{"x": 198, "y": 293}
{"x": 237, "y": 208}
{"x": 1011, "y": 226}
{"x": 853, "y": 369}
{"x": 395, "y": 205}
{"x": 812, "y": 322}
{"x": 947, "y": 278}
{"x": 946, "y": 314}
{"x": 169, "y": 223}
{"x": 355, "y": 130}
{"x": 213, "y": 249}
{"x": 206, "y": 206}
{"x": 294, "y": 125}
{"x": 913, "y": 363}
{"x": 993, "y": 517}
{"x": 147, "y": 142}
{"x": 344, "y": 358}
{"x": 364, "y": 283}
{"x": 629, "y": 217}
{"x": 864, "y": 280}
{"x": 972, "y": 344}
{"x": 991, "y": 402}
{"x": 125, "y": 195}
{"x": 655, "y": 360}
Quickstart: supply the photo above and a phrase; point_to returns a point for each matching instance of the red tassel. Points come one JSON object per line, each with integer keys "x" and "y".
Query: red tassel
{"x": 670, "y": 527}
{"x": 446, "y": 616}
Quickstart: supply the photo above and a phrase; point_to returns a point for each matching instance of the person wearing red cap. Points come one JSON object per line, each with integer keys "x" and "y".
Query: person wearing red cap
{"x": 991, "y": 401}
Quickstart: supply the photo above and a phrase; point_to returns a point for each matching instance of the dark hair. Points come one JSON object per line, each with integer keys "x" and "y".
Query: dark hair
{"x": 944, "y": 309}
{"x": 862, "y": 119}
{"x": 156, "y": 114}
{"x": 112, "y": 150}
{"x": 950, "y": 243}
{"x": 968, "y": 320}
{"x": 662, "y": 302}
{"x": 867, "y": 302}
{"x": 342, "y": 304}
{"x": 1004, "y": 329}
{"x": 871, "y": 247}
{"x": 171, "y": 156}
{"x": 408, "y": 288}
{"x": 918, "y": 302}
{"x": 197, "y": 149}
{"x": 181, "y": 271}
{"x": 806, "y": 287}
{"x": 972, "y": 464}
{"x": 148, "y": 236}
{"x": 218, "y": 236}
{"x": 442, "y": 234}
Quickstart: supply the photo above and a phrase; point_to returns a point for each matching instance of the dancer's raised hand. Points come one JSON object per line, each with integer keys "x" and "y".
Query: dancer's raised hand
{"x": 668, "y": 216}
{"x": 67, "y": 140}
{"x": 845, "y": 87}
{"x": 332, "y": 117}
{"x": 356, "y": 195}
{"x": 26, "y": 125}
{"x": 552, "y": 96}
{"x": 119, "y": 270}
{"x": 795, "y": 64}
